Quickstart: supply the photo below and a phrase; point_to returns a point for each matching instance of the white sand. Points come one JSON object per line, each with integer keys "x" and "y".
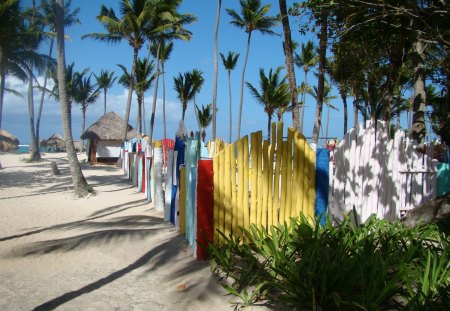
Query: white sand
{"x": 111, "y": 251}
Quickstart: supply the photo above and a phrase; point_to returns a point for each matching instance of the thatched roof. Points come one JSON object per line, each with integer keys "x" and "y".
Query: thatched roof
{"x": 8, "y": 142}
{"x": 57, "y": 141}
{"x": 109, "y": 127}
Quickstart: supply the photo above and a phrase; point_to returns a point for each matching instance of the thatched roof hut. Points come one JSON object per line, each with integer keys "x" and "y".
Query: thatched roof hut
{"x": 105, "y": 138}
{"x": 109, "y": 127}
{"x": 56, "y": 142}
{"x": 8, "y": 142}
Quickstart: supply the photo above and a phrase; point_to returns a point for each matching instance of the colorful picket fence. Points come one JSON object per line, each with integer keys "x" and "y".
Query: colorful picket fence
{"x": 263, "y": 183}
{"x": 377, "y": 175}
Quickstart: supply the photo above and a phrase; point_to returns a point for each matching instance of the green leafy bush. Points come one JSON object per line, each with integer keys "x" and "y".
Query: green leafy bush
{"x": 375, "y": 266}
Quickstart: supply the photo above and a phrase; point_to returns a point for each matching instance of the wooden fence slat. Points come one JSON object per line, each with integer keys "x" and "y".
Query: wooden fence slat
{"x": 234, "y": 194}
{"x": 259, "y": 151}
{"x": 277, "y": 173}
{"x": 265, "y": 183}
{"x": 216, "y": 169}
{"x": 246, "y": 180}
{"x": 289, "y": 175}
{"x": 295, "y": 176}
{"x": 301, "y": 174}
{"x": 241, "y": 173}
{"x": 271, "y": 178}
{"x": 182, "y": 200}
{"x": 254, "y": 178}
{"x": 284, "y": 182}
{"x": 222, "y": 191}
{"x": 227, "y": 194}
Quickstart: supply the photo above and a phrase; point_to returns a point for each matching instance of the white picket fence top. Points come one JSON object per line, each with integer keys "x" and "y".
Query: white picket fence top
{"x": 378, "y": 175}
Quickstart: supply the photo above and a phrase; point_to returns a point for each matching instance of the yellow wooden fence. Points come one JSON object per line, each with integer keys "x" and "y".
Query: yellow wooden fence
{"x": 264, "y": 183}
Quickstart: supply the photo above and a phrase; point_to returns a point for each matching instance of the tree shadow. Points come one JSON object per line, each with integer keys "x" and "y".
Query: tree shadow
{"x": 79, "y": 223}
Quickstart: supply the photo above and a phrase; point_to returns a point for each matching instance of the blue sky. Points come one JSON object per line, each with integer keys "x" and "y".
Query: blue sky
{"x": 265, "y": 52}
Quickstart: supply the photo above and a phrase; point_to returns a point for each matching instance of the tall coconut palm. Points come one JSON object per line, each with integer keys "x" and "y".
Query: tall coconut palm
{"x": 143, "y": 80}
{"x": 197, "y": 83}
{"x": 253, "y": 17}
{"x": 79, "y": 182}
{"x": 13, "y": 51}
{"x": 72, "y": 78}
{"x": 105, "y": 80}
{"x": 216, "y": 69}
{"x": 184, "y": 86}
{"x": 229, "y": 63}
{"x": 165, "y": 49}
{"x": 130, "y": 26}
{"x": 205, "y": 117}
{"x": 273, "y": 95}
{"x": 289, "y": 61}
{"x": 327, "y": 98}
{"x": 306, "y": 60}
{"x": 85, "y": 94}
{"x": 47, "y": 18}
{"x": 166, "y": 25}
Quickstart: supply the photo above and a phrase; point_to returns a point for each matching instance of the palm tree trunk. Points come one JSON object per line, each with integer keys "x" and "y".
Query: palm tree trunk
{"x": 79, "y": 182}
{"x": 216, "y": 69}
{"x": 269, "y": 123}
{"x": 344, "y": 101}
{"x": 34, "y": 146}
{"x": 196, "y": 114}
{"x": 83, "y": 124}
{"x": 164, "y": 99}
{"x": 140, "y": 112}
{"x": 321, "y": 78}
{"x": 241, "y": 99}
{"x": 289, "y": 60}
{"x": 104, "y": 100}
{"x": 303, "y": 100}
{"x": 2, "y": 93}
{"x": 155, "y": 95}
{"x": 41, "y": 104}
{"x": 418, "y": 123}
{"x": 328, "y": 120}
{"x": 231, "y": 105}
{"x": 130, "y": 94}
{"x": 184, "y": 111}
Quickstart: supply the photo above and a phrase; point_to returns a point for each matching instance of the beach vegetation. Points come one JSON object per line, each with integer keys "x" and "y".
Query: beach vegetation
{"x": 372, "y": 266}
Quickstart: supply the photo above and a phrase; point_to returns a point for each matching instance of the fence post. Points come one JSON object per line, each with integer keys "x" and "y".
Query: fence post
{"x": 157, "y": 168}
{"x": 205, "y": 207}
{"x": 322, "y": 184}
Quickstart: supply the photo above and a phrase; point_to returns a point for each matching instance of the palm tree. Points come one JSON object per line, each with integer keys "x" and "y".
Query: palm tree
{"x": 327, "y": 97}
{"x": 306, "y": 60}
{"x": 167, "y": 24}
{"x": 337, "y": 69}
{"x": 47, "y": 18}
{"x": 79, "y": 182}
{"x": 273, "y": 95}
{"x": 183, "y": 85}
{"x": 229, "y": 63}
{"x": 197, "y": 83}
{"x": 72, "y": 78}
{"x": 12, "y": 50}
{"x": 85, "y": 93}
{"x": 143, "y": 80}
{"x": 164, "y": 54}
{"x": 204, "y": 117}
{"x": 132, "y": 27}
{"x": 253, "y": 17}
{"x": 105, "y": 81}
{"x": 288, "y": 48}
{"x": 216, "y": 69}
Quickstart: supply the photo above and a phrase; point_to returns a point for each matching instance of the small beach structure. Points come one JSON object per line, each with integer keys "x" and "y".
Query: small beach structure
{"x": 55, "y": 143}
{"x": 8, "y": 142}
{"x": 105, "y": 138}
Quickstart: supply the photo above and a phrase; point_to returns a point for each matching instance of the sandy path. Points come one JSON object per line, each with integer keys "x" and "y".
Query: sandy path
{"x": 111, "y": 251}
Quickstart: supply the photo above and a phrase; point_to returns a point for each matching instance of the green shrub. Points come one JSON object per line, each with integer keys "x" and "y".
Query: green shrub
{"x": 375, "y": 266}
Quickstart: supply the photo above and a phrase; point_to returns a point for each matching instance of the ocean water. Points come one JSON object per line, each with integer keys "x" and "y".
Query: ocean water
{"x": 22, "y": 149}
